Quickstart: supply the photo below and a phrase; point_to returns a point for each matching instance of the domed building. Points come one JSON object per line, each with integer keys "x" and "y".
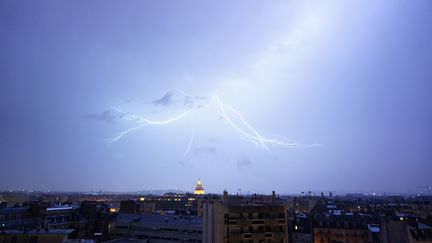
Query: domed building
{"x": 199, "y": 189}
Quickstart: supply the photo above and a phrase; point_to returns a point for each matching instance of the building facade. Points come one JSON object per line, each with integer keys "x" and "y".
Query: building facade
{"x": 237, "y": 219}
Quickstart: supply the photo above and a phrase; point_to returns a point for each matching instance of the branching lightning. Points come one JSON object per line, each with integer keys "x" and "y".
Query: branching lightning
{"x": 250, "y": 134}
{"x": 143, "y": 122}
{"x": 242, "y": 127}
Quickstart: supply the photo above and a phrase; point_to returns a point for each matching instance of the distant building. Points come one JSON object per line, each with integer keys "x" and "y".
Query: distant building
{"x": 46, "y": 236}
{"x": 199, "y": 189}
{"x": 419, "y": 232}
{"x": 96, "y": 217}
{"x": 302, "y": 204}
{"x": 169, "y": 202}
{"x": 18, "y": 217}
{"x": 161, "y": 228}
{"x": 299, "y": 227}
{"x": 405, "y": 229}
{"x": 237, "y": 219}
{"x": 337, "y": 226}
{"x": 86, "y": 220}
{"x": 3, "y": 204}
{"x": 137, "y": 207}
{"x": 209, "y": 198}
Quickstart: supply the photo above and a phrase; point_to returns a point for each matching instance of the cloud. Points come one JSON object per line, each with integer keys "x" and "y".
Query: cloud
{"x": 108, "y": 116}
{"x": 195, "y": 101}
{"x": 165, "y": 100}
{"x": 205, "y": 150}
{"x": 174, "y": 97}
{"x": 243, "y": 163}
{"x": 188, "y": 101}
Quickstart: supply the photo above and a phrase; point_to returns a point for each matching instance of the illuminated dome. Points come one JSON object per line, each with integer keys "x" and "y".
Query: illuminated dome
{"x": 199, "y": 189}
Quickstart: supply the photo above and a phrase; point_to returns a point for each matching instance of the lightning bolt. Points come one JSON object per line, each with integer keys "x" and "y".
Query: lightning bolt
{"x": 249, "y": 133}
{"x": 190, "y": 142}
{"x": 143, "y": 122}
{"x": 115, "y": 139}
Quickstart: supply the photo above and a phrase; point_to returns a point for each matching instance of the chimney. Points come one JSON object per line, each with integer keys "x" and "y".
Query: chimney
{"x": 225, "y": 196}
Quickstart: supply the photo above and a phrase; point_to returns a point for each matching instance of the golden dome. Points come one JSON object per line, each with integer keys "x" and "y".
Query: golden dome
{"x": 199, "y": 189}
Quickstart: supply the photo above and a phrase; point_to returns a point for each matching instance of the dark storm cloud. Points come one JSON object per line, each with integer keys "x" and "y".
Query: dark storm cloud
{"x": 108, "y": 116}
{"x": 165, "y": 100}
{"x": 189, "y": 101}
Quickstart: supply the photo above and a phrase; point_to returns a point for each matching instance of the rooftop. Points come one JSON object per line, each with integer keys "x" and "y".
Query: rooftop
{"x": 159, "y": 220}
{"x": 40, "y": 232}
{"x": 60, "y": 208}
{"x": 14, "y": 210}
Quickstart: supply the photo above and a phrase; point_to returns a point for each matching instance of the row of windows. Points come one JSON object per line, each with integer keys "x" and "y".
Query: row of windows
{"x": 10, "y": 216}
{"x": 261, "y": 229}
{"x": 267, "y": 235}
{"x": 234, "y": 222}
{"x": 342, "y": 224}
{"x": 249, "y": 216}
{"x": 342, "y": 233}
{"x": 149, "y": 237}
{"x": 262, "y": 241}
{"x": 142, "y": 228}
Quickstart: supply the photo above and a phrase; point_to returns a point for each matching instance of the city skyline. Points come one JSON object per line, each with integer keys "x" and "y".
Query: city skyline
{"x": 282, "y": 96}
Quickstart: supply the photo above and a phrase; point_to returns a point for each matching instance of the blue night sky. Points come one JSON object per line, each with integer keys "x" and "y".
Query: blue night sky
{"x": 347, "y": 82}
